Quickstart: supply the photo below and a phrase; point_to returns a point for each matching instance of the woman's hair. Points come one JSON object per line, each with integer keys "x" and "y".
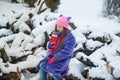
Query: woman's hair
{"x": 64, "y": 34}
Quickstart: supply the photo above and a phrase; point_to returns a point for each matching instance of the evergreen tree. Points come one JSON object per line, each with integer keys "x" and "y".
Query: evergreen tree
{"x": 14, "y": 1}
{"x": 30, "y": 2}
{"x": 111, "y": 7}
{"x": 52, "y": 4}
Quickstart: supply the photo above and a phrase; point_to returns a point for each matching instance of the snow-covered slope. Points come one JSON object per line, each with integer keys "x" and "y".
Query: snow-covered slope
{"x": 91, "y": 26}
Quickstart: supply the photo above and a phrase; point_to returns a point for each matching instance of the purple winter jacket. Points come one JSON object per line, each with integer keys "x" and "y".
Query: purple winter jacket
{"x": 63, "y": 56}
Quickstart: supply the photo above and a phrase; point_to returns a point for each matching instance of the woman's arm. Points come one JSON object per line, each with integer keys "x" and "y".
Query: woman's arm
{"x": 67, "y": 49}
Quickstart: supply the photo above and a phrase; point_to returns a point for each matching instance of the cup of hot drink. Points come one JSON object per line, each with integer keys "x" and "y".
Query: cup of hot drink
{"x": 53, "y": 39}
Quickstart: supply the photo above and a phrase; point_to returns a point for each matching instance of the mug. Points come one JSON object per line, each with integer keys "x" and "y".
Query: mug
{"x": 54, "y": 39}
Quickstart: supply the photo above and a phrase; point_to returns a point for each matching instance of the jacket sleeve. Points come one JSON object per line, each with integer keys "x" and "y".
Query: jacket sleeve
{"x": 67, "y": 49}
{"x": 49, "y": 46}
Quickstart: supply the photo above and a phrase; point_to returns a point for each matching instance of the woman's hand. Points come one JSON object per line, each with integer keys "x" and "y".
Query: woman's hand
{"x": 52, "y": 60}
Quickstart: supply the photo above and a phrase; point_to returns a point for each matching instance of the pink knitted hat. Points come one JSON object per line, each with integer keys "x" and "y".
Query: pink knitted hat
{"x": 63, "y": 21}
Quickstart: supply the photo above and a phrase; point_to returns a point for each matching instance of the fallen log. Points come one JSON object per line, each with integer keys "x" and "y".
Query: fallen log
{"x": 46, "y": 39}
{"x": 85, "y": 50}
{"x": 11, "y": 75}
{"x": 71, "y": 77}
{"x": 118, "y": 34}
{"x": 66, "y": 77}
{"x": 28, "y": 22}
{"x": 95, "y": 79}
{"x": 18, "y": 59}
{"x": 85, "y": 73}
{"x": 86, "y": 61}
{"x": 72, "y": 25}
{"x": 40, "y": 8}
{"x": 32, "y": 69}
{"x": 4, "y": 55}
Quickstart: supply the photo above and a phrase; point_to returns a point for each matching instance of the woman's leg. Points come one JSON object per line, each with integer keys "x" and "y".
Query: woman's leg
{"x": 43, "y": 74}
{"x": 56, "y": 77}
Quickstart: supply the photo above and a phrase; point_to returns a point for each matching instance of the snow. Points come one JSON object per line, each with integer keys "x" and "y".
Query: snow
{"x": 41, "y": 29}
{"x": 11, "y": 68}
{"x": 30, "y": 62}
{"x": 78, "y": 68}
{"x": 116, "y": 70}
{"x": 80, "y": 38}
{"x": 99, "y": 72}
{"x": 85, "y": 14}
{"x": 82, "y": 8}
{"x": 7, "y": 8}
{"x": 91, "y": 45}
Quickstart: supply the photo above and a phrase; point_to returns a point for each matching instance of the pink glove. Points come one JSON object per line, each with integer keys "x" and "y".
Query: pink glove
{"x": 53, "y": 59}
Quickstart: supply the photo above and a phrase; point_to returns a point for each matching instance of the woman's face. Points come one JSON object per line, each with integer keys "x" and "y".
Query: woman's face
{"x": 59, "y": 28}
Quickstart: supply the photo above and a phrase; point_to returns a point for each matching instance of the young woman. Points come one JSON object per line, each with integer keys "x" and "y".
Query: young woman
{"x": 61, "y": 47}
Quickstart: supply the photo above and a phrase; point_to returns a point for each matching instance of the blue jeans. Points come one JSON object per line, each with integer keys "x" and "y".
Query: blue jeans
{"x": 43, "y": 74}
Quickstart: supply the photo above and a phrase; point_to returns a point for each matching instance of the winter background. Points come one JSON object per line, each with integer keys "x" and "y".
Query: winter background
{"x": 97, "y": 39}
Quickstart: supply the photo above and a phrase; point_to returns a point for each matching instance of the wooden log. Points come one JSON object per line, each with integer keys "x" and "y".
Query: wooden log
{"x": 70, "y": 77}
{"x": 10, "y": 76}
{"x": 85, "y": 73}
{"x": 46, "y": 39}
{"x": 4, "y": 55}
{"x": 28, "y": 22}
{"x": 40, "y": 8}
{"x": 43, "y": 10}
{"x": 85, "y": 50}
{"x": 0, "y": 71}
{"x": 86, "y": 34}
{"x": 104, "y": 39}
{"x": 109, "y": 69}
{"x": 27, "y": 32}
{"x": 86, "y": 61}
{"x": 118, "y": 53}
{"x": 72, "y": 25}
{"x": 18, "y": 59}
{"x": 66, "y": 77}
{"x": 118, "y": 79}
{"x": 32, "y": 70}
{"x": 118, "y": 34}
{"x": 96, "y": 79}
{"x": 39, "y": 2}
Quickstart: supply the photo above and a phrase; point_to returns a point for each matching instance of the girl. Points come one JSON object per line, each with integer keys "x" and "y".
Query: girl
{"x": 61, "y": 47}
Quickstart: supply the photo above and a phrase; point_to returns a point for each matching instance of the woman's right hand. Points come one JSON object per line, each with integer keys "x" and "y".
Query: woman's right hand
{"x": 52, "y": 60}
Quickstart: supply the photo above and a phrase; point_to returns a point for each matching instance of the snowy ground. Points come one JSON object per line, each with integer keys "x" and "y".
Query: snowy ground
{"x": 85, "y": 14}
